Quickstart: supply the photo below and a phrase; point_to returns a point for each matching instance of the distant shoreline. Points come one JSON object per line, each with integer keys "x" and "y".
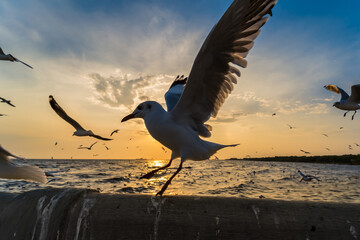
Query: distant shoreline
{"x": 333, "y": 159}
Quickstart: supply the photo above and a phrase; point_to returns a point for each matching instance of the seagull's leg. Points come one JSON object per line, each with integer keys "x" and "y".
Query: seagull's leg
{"x": 352, "y": 118}
{"x": 169, "y": 181}
{"x": 345, "y": 113}
{"x": 151, "y": 174}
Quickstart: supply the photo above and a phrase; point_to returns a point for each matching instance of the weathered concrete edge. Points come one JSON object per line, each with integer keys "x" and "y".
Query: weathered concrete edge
{"x": 86, "y": 214}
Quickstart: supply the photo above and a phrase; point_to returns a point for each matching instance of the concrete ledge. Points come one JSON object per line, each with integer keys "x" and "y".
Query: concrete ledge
{"x": 85, "y": 214}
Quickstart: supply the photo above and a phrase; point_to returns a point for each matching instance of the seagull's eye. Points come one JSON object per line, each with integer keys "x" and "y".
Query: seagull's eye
{"x": 140, "y": 107}
{"x": 149, "y": 106}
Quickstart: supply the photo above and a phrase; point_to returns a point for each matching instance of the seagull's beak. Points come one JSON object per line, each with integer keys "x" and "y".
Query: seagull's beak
{"x": 130, "y": 116}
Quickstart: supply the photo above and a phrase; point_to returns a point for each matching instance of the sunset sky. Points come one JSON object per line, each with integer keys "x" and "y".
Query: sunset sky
{"x": 100, "y": 59}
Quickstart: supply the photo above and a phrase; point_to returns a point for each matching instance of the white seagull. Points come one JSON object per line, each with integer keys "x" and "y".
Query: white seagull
{"x": 88, "y": 148}
{"x": 307, "y": 178}
{"x": 9, "y": 57}
{"x": 347, "y": 103}
{"x": 80, "y": 131}
{"x": 215, "y": 70}
{"x": 11, "y": 170}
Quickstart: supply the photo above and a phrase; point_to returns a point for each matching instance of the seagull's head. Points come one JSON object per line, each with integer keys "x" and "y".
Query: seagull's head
{"x": 336, "y": 104}
{"x": 142, "y": 110}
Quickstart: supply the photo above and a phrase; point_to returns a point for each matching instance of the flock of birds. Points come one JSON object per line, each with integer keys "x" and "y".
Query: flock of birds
{"x": 193, "y": 100}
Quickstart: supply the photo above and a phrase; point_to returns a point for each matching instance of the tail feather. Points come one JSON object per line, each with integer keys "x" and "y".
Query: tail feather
{"x": 25, "y": 172}
{"x": 214, "y": 147}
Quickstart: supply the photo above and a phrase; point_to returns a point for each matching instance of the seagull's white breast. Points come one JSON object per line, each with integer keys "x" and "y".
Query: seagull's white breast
{"x": 181, "y": 139}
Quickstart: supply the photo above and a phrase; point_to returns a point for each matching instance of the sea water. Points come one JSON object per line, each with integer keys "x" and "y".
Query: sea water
{"x": 235, "y": 178}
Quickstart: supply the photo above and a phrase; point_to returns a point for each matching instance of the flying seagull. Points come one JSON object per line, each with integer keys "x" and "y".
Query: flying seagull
{"x": 88, "y": 148}
{"x": 1, "y": 115}
{"x": 291, "y": 127}
{"x": 107, "y": 148}
{"x": 306, "y": 152}
{"x": 115, "y": 131}
{"x": 273, "y": 114}
{"x": 307, "y": 178}
{"x": 347, "y": 103}
{"x": 80, "y": 131}
{"x": 6, "y": 101}
{"x": 325, "y": 135}
{"x": 11, "y": 170}
{"x": 214, "y": 71}
{"x": 9, "y": 57}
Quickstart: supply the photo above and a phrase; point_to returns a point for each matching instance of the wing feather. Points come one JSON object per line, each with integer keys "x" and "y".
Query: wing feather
{"x": 213, "y": 73}
{"x": 355, "y": 93}
{"x": 100, "y": 137}
{"x": 56, "y": 107}
{"x": 336, "y": 89}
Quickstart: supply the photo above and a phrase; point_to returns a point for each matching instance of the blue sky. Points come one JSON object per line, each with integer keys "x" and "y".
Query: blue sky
{"x": 101, "y": 58}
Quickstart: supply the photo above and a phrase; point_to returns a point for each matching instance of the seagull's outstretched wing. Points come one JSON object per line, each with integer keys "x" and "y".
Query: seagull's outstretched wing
{"x": 100, "y": 137}
{"x": 355, "y": 93}
{"x": 92, "y": 144}
{"x": 4, "y": 155}
{"x": 175, "y": 91}
{"x": 115, "y": 131}
{"x": 23, "y": 63}
{"x": 216, "y": 66}
{"x": 336, "y": 89}
{"x": 2, "y": 52}
{"x": 311, "y": 176}
{"x": 63, "y": 114}
{"x": 10, "y": 104}
{"x": 12, "y": 171}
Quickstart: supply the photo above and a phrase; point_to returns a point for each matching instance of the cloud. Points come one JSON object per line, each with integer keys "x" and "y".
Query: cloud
{"x": 228, "y": 117}
{"x": 126, "y": 91}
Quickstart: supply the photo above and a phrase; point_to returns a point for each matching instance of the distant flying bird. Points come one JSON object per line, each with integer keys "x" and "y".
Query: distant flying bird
{"x": 1, "y": 115}
{"x": 6, "y": 101}
{"x": 211, "y": 79}
{"x": 327, "y": 149}
{"x": 9, "y": 57}
{"x": 80, "y": 131}
{"x": 347, "y": 103}
{"x": 325, "y": 135}
{"x": 291, "y": 127}
{"x": 350, "y": 147}
{"x": 357, "y": 145}
{"x": 307, "y": 178}
{"x": 304, "y": 151}
{"x": 164, "y": 149}
{"x": 107, "y": 148}
{"x": 55, "y": 143}
{"x": 115, "y": 131}
{"x": 88, "y": 148}
{"x": 11, "y": 170}
{"x": 341, "y": 127}
{"x": 273, "y": 114}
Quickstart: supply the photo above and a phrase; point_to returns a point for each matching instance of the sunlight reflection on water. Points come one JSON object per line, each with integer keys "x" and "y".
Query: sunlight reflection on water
{"x": 273, "y": 180}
